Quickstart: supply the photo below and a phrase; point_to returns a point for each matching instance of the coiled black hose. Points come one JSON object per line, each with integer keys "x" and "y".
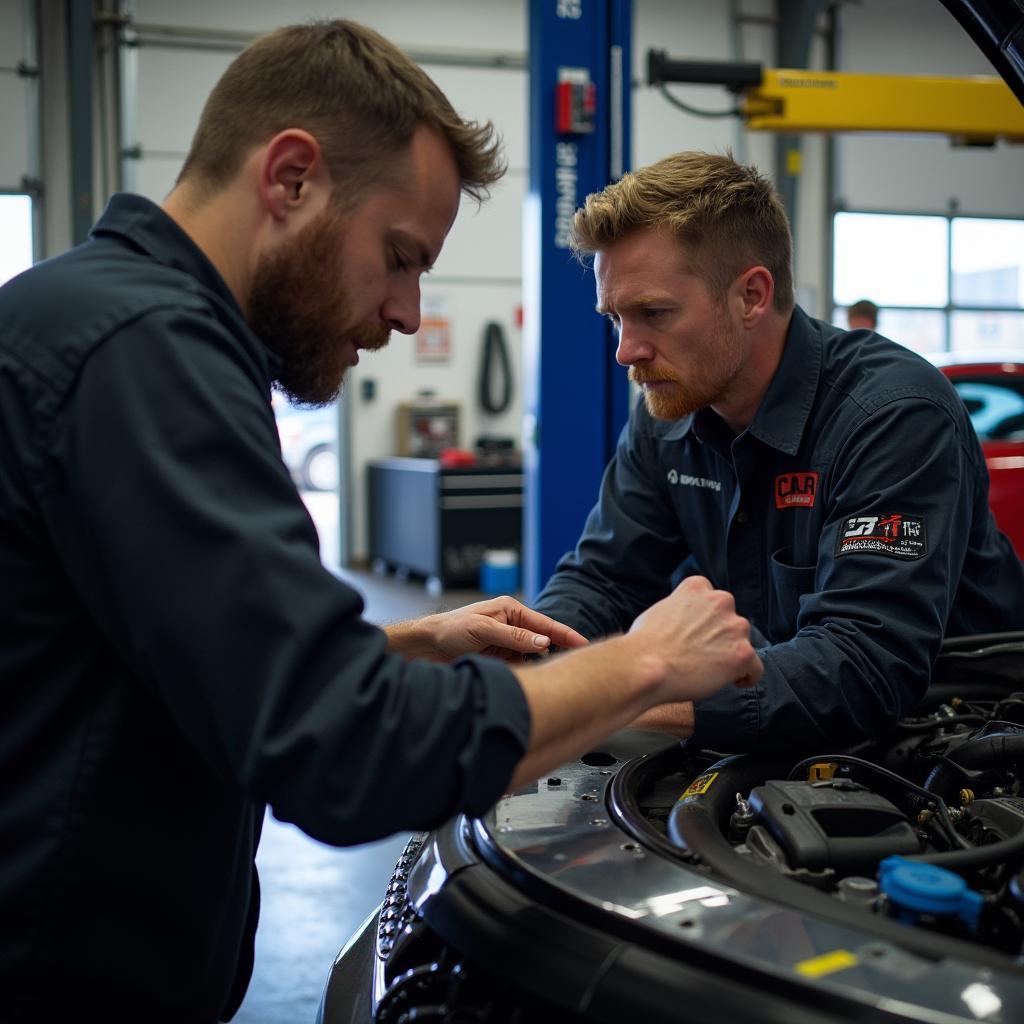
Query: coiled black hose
{"x": 495, "y": 350}
{"x": 997, "y": 749}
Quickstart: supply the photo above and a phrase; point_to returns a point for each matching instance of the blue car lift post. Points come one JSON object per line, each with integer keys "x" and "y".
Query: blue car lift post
{"x": 576, "y": 398}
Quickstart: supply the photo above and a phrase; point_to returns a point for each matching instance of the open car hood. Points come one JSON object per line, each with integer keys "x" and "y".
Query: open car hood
{"x": 997, "y": 27}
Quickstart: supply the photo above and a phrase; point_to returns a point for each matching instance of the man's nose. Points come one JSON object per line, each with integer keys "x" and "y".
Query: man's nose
{"x": 401, "y": 309}
{"x": 631, "y": 348}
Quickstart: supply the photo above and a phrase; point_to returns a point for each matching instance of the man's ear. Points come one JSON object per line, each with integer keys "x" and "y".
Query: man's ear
{"x": 292, "y": 172}
{"x": 756, "y": 291}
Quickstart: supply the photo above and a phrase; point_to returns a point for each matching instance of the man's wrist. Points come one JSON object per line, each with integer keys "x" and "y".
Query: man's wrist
{"x": 647, "y": 671}
{"x": 411, "y": 639}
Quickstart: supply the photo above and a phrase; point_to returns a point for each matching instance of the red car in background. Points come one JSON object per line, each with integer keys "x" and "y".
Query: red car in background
{"x": 993, "y": 391}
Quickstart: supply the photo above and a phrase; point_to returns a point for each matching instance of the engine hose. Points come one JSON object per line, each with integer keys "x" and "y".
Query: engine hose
{"x": 1002, "y": 851}
{"x": 998, "y": 749}
{"x": 495, "y": 349}
{"x": 933, "y": 724}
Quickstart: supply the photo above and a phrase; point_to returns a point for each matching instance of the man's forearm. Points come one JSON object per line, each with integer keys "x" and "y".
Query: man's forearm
{"x": 576, "y": 700}
{"x": 676, "y": 719}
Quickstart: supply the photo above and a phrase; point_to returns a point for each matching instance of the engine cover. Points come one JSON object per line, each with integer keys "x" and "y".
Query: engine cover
{"x": 822, "y": 825}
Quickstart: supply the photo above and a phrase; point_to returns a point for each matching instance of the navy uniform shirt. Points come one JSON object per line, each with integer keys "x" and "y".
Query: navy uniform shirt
{"x": 850, "y": 520}
{"x": 173, "y": 654}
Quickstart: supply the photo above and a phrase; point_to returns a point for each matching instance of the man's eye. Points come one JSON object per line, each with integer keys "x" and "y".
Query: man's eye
{"x": 652, "y": 314}
{"x": 398, "y": 261}
{"x": 613, "y": 320}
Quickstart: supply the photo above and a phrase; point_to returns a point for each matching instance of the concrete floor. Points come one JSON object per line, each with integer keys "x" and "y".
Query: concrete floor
{"x": 314, "y": 896}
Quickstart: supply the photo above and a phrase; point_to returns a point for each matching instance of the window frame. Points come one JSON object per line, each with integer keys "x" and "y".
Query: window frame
{"x": 34, "y": 226}
{"x": 950, "y": 308}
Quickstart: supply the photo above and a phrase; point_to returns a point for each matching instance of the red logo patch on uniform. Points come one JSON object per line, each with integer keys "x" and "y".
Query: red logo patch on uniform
{"x": 796, "y": 490}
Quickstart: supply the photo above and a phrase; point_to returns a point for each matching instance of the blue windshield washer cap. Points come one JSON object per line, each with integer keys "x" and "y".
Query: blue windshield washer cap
{"x": 929, "y": 889}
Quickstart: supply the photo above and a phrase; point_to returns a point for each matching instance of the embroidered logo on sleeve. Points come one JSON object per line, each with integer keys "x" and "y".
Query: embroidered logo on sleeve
{"x": 796, "y": 490}
{"x": 893, "y": 534}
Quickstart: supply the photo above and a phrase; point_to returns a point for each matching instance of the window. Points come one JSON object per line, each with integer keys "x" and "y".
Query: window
{"x": 941, "y": 283}
{"x": 15, "y": 235}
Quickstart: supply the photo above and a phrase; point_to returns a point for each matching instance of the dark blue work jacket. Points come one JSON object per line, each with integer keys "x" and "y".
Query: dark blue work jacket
{"x": 850, "y": 520}
{"x": 173, "y": 655}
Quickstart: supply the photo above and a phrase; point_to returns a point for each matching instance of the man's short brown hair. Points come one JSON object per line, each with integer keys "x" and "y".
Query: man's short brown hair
{"x": 864, "y": 309}
{"x": 728, "y": 217}
{"x": 354, "y": 91}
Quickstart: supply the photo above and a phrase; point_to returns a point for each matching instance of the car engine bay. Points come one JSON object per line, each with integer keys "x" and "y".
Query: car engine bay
{"x": 883, "y": 881}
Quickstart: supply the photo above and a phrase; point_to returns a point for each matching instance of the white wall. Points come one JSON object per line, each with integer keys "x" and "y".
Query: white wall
{"x": 920, "y": 174}
{"x": 692, "y": 29}
{"x": 15, "y": 160}
{"x": 478, "y": 277}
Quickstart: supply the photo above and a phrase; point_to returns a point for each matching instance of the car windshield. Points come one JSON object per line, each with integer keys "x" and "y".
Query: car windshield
{"x": 996, "y": 408}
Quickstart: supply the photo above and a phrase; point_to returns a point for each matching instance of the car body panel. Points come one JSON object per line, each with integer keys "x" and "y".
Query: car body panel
{"x": 309, "y": 445}
{"x": 993, "y": 391}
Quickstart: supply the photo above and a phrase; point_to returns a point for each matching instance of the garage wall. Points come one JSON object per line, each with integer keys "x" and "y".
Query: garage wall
{"x": 16, "y": 94}
{"x": 920, "y": 174}
{"x": 690, "y": 29}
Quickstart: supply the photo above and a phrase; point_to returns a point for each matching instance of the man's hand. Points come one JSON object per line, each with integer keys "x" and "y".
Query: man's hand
{"x": 705, "y": 643}
{"x": 498, "y": 628}
{"x": 681, "y": 649}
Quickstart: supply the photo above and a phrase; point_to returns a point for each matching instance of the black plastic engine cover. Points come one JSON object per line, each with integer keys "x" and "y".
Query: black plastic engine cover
{"x": 822, "y": 826}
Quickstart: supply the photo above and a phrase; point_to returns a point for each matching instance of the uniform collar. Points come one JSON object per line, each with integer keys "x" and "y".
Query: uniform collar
{"x": 782, "y": 416}
{"x": 151, "y": 230}
{"x": 147, "y": 228}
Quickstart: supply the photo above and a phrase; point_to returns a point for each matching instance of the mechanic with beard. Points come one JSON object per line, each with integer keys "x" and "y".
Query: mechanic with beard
{"x": 173, "y": 655}
{"x": 830, "y": 480}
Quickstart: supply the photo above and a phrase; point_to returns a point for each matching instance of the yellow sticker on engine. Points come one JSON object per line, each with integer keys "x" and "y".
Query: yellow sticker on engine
{"x": 827, "y": 963}
{"x": 700, "y": 785}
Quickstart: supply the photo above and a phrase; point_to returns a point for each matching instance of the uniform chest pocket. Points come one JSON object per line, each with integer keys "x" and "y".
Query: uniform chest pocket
{"x": 787, "y": 584}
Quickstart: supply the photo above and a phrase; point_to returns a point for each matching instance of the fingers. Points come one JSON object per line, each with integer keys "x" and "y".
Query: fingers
{"x": 696, "y": 583}
{"x": 754, "y": 671}
{"x": 518, "y": 614}
{"x": 492, "y": 633}
{"x": 558, "y": 632}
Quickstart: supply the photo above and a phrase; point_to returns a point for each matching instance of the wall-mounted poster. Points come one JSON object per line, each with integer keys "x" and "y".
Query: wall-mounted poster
{"x": 434, "y": 338}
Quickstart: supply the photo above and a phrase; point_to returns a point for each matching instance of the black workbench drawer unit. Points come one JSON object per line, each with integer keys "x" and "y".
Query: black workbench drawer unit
{"x": 438, "y": 522}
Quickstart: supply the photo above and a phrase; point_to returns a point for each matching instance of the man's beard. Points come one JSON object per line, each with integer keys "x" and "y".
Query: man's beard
{"x": 298, "y": 306}
{"x": 718, "y": 367}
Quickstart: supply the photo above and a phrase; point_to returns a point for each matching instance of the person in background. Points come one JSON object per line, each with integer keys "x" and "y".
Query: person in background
{"x": 862, "y": 315}
{"x": 173, "y": 655}
{"x": 831, "y": 480}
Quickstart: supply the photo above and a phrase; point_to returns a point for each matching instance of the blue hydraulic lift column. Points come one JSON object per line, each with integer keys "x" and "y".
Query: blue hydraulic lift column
{"x": 576, "y": 397}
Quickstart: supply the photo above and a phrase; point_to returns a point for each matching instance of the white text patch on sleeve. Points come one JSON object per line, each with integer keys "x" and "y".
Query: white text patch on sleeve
{"x": 893, "y": 534}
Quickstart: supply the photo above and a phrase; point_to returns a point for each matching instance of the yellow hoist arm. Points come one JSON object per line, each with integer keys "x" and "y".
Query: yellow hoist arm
{"x": 975, "y": 110}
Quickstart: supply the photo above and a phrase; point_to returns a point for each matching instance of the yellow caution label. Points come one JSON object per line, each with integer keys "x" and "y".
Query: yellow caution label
{"x": 822, "y": 771}
{"x": 700, "y": 785}
{"x": 827, "y": 963}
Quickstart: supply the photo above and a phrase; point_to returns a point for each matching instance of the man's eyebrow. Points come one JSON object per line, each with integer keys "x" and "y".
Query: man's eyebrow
{"x": 638, "y": 303}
